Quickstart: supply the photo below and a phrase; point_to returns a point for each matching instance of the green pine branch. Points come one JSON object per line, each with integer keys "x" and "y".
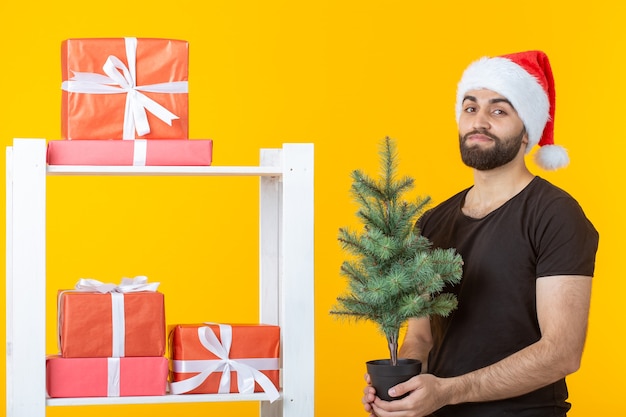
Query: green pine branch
{"x": 394, "y": 274}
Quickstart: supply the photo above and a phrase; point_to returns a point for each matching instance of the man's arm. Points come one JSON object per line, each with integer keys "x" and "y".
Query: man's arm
{"x": 418, "y": 341}
{"x": 562, "y": 310}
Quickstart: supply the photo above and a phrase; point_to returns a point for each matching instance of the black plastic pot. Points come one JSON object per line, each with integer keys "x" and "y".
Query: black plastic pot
{"x": 384, "y": 375}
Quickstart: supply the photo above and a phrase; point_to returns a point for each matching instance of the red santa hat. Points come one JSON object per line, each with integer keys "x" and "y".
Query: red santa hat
{"x": 525, "y": 79}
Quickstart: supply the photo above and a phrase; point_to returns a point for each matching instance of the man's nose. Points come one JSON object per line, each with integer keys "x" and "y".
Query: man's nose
{"x": 481, "y": 120}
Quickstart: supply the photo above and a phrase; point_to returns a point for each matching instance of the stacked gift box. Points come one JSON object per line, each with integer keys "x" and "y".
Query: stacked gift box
{"x": 111, "y": 340}
{"x": 211, "y": 358}
{"x": 125, "y": 102}
{"x": 112, "y": 343}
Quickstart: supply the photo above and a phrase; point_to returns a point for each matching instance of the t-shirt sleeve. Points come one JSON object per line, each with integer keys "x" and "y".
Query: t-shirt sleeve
{"x": 566, "y": 241}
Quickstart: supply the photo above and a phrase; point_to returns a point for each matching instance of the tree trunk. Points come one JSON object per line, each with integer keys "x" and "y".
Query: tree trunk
{"x": 392, "y": 341}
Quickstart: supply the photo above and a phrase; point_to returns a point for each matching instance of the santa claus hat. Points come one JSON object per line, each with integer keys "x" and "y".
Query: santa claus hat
{"x": 525, "y": 79}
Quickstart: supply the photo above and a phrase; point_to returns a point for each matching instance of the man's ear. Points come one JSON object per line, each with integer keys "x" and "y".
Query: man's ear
{"x": 525, "y": 137}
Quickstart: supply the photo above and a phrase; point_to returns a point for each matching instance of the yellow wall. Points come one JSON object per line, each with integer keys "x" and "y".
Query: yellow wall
{"x": 341, "y": 74}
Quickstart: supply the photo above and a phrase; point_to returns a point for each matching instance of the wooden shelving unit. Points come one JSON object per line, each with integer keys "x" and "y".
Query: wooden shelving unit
{"x": 285, "y": 283}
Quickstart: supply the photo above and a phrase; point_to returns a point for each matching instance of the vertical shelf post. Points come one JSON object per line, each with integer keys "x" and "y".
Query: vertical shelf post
{"x": 297, "y": 286}
{"x": 270, "y": 218}
{"x": 270, "y": 223}
{"x": 26, "y": 279}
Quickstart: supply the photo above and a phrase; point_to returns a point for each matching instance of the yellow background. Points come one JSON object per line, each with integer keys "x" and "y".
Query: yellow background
{"x": 340, "y": 74}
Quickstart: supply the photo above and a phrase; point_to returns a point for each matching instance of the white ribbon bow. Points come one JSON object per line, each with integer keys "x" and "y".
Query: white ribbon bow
{"x": 139, "y": 283}
{"x": 128, "y": 285}
{"x": 120, "y": 79}
{"x": 247, "y": 369}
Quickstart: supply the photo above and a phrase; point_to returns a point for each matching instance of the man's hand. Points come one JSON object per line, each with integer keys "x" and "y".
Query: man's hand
{"x": 427, "y": 394}
{"x": 369, "y": 395}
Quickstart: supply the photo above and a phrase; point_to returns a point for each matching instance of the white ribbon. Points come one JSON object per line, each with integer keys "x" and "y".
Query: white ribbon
{"x": 247, "y": 369}
{"x": 118, "y": 336}
{"x": 128, "y": 285}
{"x": 120, "y": 79}
{"x": 113, "y": 377}
{"x": 140, "y": 150}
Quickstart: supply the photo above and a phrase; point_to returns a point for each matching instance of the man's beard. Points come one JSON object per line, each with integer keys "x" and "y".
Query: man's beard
{"x": 503, "y": 151}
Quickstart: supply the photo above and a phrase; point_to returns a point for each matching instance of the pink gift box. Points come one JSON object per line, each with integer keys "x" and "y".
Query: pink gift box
{"x": 106, "y": 377}
{"x": 138, "y": 152}
{"x": 124, "y": 88}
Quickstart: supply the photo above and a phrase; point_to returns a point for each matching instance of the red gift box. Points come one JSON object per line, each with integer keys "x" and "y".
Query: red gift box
{"x": 124, "y": 88}
{"x": 221, "y": 358}
{"x": 138, "y": 152}
{"x": 99, "y": 325}
{"x": 105, "y": 377}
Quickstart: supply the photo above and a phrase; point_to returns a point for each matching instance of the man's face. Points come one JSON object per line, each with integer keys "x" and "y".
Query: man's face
{"x": 491, "y": 133}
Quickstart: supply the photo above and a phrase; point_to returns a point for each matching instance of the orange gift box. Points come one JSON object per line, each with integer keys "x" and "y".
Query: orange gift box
{"x": 124, "y": 88}
{"x": 222, "y": 358}
{"x": 138, "y": 152}
{"x": 105, "y": 377}
{"x": 93, "y": 324}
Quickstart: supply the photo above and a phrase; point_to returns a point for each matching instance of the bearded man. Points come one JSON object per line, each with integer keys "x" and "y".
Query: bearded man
{"x": 529, "y": 257}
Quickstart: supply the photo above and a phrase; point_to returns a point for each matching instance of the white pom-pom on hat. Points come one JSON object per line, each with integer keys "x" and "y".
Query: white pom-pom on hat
{"x": 551, "y": 157}
{"x": 526, "y": 80}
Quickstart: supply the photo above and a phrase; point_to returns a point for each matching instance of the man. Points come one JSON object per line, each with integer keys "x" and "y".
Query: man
{"x": 529, "y": 255}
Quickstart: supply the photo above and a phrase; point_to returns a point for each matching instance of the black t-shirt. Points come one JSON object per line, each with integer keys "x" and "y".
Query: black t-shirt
{"x": 542, "y": 231}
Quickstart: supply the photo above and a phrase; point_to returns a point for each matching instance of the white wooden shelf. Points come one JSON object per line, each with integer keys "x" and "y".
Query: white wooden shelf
{"x": 160, "y": 399}
{"x": 232, "y": 171}
{"x": 286, "y": 290}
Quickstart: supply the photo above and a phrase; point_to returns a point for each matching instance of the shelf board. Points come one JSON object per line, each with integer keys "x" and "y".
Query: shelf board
{"x": 159, "y": 399}
{"x": 262, "y": 171}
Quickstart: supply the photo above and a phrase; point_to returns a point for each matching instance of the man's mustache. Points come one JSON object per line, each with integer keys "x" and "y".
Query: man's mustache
{"x": 480, "y": 132}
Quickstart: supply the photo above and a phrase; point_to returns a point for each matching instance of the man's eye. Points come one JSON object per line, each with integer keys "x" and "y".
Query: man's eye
{"x": 470, "y": 109}
{"x": 499, "y": 112}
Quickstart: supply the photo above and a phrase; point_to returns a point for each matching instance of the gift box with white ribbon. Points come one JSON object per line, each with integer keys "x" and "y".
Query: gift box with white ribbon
{"x": 106, "y": 377}
{"x": 223, "y": 358}
{"x": 124, "y": 88}
{"x": 138, "y": 152}
{"x": 108, "y": 320}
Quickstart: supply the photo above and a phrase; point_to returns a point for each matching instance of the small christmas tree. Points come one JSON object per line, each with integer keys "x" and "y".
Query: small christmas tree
{"x": 395, "y": 273}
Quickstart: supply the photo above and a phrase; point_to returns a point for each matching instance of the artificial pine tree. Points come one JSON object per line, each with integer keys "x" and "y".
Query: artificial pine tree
{"x": 395, "y": 273}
